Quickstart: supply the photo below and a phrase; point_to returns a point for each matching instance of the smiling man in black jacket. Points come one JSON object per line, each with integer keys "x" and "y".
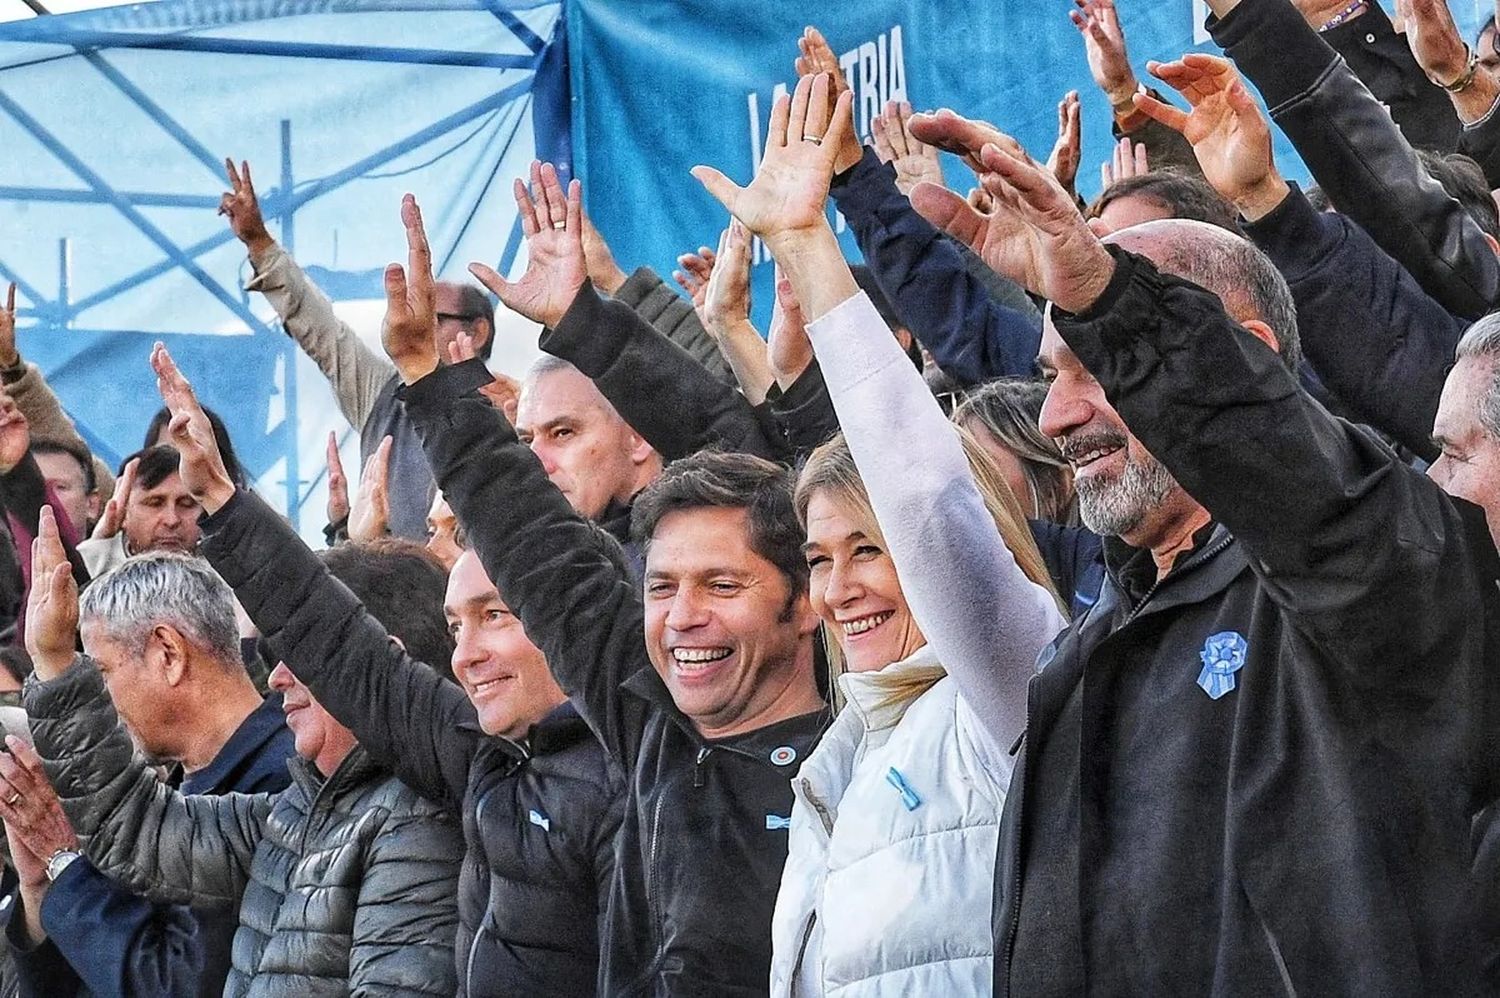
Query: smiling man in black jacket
{"x": 1252, "y": 767}
{"x": 539, "y": 803}
{"x": 702, "y": 689}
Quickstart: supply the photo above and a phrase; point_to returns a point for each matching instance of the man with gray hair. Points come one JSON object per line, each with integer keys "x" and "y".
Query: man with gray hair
{"x": 1467, "y": 428}
{"x": 161, "y": 628}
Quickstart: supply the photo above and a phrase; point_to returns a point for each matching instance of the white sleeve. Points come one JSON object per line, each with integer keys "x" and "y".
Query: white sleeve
{"x": 985, "y": 619}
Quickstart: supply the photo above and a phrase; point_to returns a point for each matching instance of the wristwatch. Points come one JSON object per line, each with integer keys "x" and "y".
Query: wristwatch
{"x": 58, "y": 862}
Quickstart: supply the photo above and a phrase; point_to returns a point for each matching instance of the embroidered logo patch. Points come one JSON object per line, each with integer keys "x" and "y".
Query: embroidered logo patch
{"x": 776, "y": 823}
{"x": 784, "y": 756}
{"x": 1223, "y": 655}
{"x": 540, "y": 820}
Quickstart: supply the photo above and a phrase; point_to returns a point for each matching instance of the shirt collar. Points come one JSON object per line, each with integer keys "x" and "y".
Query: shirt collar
{"x": 263, "y": 724}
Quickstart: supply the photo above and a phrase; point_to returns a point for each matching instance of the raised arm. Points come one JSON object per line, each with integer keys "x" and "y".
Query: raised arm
{"x": 985, "y": 619}
{"x": 1334, "y": 523}
{"x": 553, "y": 568}
{"x": 356, "y": 372}
{"x": 402, "y": 712}
{"x": 1372, "y": 334}
{"x": 1357, "y": 154}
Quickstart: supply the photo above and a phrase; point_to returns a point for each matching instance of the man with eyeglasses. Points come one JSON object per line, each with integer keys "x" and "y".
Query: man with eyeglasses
{"x": 364, "y": 382}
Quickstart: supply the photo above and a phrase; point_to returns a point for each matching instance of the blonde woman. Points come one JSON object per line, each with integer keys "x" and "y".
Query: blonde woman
{"x": 889, "y": 877}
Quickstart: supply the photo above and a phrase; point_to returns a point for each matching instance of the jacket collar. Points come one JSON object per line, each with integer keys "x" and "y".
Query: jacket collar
{"x": 868, "y": 693}
{"x": 263, "y": 724}
{"x": 356, "y": 769}
{"x": 800, "y": 732}
{"x": 561, "y": 728}
{"x": 1215, "y": 561}
{"x": 615, "y": 520}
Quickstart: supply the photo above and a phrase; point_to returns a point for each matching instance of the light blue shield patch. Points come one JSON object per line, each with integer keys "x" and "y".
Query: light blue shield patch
{"x": 1223, "y": 655}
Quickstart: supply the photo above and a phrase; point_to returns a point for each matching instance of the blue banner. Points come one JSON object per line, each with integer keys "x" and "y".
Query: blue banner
{"x": 662, "y": 85}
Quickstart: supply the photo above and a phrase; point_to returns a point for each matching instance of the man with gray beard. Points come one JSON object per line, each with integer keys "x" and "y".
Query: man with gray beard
{"x": 1252, "y": 766}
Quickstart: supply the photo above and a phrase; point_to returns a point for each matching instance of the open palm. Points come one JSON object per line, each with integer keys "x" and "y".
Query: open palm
{"x": 556, "y": 266}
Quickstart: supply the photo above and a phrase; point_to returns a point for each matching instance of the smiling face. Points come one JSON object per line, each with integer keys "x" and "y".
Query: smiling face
{"x": 503, "y": 673}
{"x": 1123, "y": 491}
{"x": 853, "y": 586}
{"x": 731, "y": 642}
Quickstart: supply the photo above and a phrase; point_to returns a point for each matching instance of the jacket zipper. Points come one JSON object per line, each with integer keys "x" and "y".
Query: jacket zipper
{"x": 1015, "y": 882}
{"x": 1020, "y": 789}
{"x": 698, "y": 779}
{"x": 651, "y": 874}
{"x": 468, "y": 981}
{"x": 1207, "y": 554}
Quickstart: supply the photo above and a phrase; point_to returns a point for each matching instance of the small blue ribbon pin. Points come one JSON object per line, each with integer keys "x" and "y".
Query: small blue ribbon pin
{"x": 909, "y": 798}
{"x": 776, "y": 823}
{"x": 1223, "y": 655}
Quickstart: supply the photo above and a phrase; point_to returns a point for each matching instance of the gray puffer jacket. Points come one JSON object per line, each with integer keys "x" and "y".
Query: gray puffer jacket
{"x": 345, "y": 886}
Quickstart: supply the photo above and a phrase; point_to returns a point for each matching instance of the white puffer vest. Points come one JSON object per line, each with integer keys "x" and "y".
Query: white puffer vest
{"x": 890, "y": 869}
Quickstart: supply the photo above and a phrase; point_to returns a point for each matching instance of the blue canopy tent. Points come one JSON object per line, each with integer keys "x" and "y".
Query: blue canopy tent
{"x": 116, "y": 123}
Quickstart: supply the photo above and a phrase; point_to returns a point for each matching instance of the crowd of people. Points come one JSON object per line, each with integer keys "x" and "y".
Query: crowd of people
{"x": 1070, "y": 598}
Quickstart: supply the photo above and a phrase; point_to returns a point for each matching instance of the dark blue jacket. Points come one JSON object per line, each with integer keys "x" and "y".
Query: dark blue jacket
{"x": 103, "y": 941}
{"x": 1375, "y": 338}
{"x": 972, "y": 337}
{"x": 1074, "y": 557}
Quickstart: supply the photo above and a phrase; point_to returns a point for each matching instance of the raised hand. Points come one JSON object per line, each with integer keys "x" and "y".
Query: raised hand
{"x": 1229, "y": 135}
{"x": 726, "y": 298}
{"x": 816, "y": 57}
{"x": 1068, "y": 151}
{"x": 338, "y": 482}
{"x": 51, "y": 603}
{"x": 1104, "y": 44}
{"x": 599, "y": 260}
{"x": 914, "y": 160}
{"x": 200, "y": 463}
{"x": 964, "y": 137}
{"x": 10, "y": 356}
{"x": 693, "y": 278}
{"x": 1034, "y": 234}
{"x": 555, "y": 266}
{"x": 410, "y": 315}
{"x": 15, "y": 434}
{"x": 1127, "y": 159}
{"x": 242, "y": 208}
{"x": 371, "y": 516}
{"x": 503, "y": 391}
{"x": 787, "y": 198}
{"x": 790, "y": 348}
{"x": 113, "y": 517}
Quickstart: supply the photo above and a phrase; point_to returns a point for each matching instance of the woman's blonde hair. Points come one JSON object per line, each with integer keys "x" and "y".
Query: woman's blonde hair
{"x": 830, "y": 471}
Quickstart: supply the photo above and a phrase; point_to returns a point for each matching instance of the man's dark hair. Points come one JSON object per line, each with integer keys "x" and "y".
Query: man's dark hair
{"x": 157, "y": 465}
{"x": 712, "y": 480}
{"x": 1463, "y": 180}
{"x": 221, "y": 437}
{"x": 865, "y": 278}
{"x": 403, "y": 587}
{"x": 84, "y": 459}
{"x": 475, "y": 304}
{"x": 1183, "y": 196}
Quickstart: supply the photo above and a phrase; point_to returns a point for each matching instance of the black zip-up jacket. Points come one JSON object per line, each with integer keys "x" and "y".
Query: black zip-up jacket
{"x": 704, "y": 837}
{"x": 1359, "y": 157}
{"x": 539, "y": 817}
{"x": 1256, "y": 776}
